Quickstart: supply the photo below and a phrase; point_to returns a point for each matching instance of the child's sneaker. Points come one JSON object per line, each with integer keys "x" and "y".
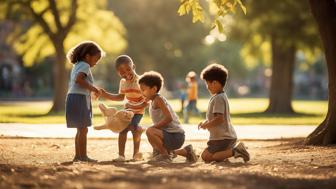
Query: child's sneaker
{"x": 155, "y": 153}
{"x": 161, "y": 158}
{"x": 240, "y": 151}
{"x": 173, "y": 155}
{"x": 119, "y": 159}
{"x": 191, "y": 156}
{"x": 138, "y": 157}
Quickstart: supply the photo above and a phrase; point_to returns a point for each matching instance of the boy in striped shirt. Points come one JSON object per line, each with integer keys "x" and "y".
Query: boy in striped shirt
{"x": 129, "y": 89}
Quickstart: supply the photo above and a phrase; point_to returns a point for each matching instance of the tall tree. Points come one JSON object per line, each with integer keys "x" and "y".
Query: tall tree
{"x": 57, "y": 36}
{"x": 285, "y": 32}
{"x": 324, "y": 13}
{"x": 56, "y": 26}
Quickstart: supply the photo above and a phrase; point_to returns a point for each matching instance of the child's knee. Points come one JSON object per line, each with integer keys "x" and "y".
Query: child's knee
{"x": 149, "y": 132}
{"x": 123, "y": 133}
{"x": 206, "y": 156}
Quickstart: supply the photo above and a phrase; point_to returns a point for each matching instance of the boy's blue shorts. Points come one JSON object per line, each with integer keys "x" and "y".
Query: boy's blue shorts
{"x": 134, "y": 123}
{"x": 173, "y": 141}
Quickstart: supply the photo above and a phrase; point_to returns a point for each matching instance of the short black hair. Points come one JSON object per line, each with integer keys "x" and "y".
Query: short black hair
{"x": 79, "y": 52}
{"x": 152, "y": 79}
{"x": 215, "y": 72}
{"x": 123, "y": 59}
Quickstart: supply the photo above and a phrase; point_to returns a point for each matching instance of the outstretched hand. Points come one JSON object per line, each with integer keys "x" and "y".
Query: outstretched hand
{"x": 97, "y": 93}
{"x": 202, "y": 125}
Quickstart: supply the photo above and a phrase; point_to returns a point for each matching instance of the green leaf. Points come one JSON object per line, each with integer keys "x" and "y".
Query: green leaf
{"x": 242, "y": 6}
{"x": 182, "y": 10}
{"x": 219, "y": 26}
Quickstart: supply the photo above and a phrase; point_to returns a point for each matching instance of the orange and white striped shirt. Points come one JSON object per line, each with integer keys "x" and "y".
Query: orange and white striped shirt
{"x": 132, "y": 92}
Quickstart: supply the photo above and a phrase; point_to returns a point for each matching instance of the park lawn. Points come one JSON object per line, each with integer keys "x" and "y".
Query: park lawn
{"x": 244, "y": 111}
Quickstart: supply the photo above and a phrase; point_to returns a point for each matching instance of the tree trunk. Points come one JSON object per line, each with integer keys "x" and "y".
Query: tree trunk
{"x": 325, "y": 15}
{"x": 60, "y": 75}
{"x": 283, "y": 58}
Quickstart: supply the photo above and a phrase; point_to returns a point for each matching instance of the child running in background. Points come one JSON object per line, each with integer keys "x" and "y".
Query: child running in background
{"x": 166, "y": 135}
{"x": 129, "y": 89}
{"x": 222, "y": 142}
{"x": 78, "y": 109}
{"x": 192, "y": 94}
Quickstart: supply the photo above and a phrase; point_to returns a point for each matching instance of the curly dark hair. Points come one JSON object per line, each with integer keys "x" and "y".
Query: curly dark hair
{"x": 152, "y": 79}
{"x": 215, "y": 72}
{"x": 123, "y": 59}
{"x": 79, "y": 52}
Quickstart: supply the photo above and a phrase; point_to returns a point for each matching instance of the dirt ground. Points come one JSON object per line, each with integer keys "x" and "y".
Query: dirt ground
{"x": 45, "y": 163}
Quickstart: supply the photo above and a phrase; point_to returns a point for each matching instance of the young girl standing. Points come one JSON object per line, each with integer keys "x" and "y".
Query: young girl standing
{"x": 78, "y": 107}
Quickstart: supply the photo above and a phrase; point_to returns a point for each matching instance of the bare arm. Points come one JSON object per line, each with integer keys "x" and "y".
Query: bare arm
{"x": 159, "y": 103}
{"x": 80, "y": 80}
{"x": 218, "y": 119}
{"x": 111, "y": 96}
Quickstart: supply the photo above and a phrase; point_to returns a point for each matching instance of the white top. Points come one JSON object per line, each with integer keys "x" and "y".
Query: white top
{"x": 157, "y": 115}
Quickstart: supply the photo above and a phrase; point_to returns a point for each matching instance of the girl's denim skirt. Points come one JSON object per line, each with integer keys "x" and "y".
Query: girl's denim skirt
{"x": 78, "y": 111}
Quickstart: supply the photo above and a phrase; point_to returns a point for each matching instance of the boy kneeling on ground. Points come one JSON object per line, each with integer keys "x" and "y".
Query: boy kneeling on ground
{"x": 222, "y": 143}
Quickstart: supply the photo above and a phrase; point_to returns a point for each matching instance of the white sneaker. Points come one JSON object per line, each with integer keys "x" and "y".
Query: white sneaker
{"x": 119, "y": 159}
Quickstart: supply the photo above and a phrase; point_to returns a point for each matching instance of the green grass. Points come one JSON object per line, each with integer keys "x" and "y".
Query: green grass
{"x": 244, "y": 111}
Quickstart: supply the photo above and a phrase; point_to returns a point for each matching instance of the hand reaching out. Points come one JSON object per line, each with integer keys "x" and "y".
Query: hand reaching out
{"x": 202, "y": 125}
{"x": 96, "y": 93}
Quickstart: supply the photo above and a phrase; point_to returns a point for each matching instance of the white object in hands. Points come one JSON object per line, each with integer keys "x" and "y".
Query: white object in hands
{"x": 115, "y": 120}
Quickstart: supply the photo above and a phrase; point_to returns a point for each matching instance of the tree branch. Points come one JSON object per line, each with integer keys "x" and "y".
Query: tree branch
{"x": 53, "y": 8}
{"x": 72, "y": 17}
{"x": 39, "y": 19}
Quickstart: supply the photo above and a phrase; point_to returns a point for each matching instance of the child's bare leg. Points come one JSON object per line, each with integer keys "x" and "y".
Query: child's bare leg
{"x": 77, "y": 155}
{"x": 136, "y": 141}
{"x": 155, "y": 138}
{"x": 122, "y": 142}
{"x": 82, "y": 141}
{"x": 218, "y": 156}
{"x": 222, "y": 155}
{"x": 207, "y": 156}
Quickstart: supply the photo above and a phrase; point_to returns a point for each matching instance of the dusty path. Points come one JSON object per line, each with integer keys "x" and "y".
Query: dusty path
{"x": 44, "y": 163}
